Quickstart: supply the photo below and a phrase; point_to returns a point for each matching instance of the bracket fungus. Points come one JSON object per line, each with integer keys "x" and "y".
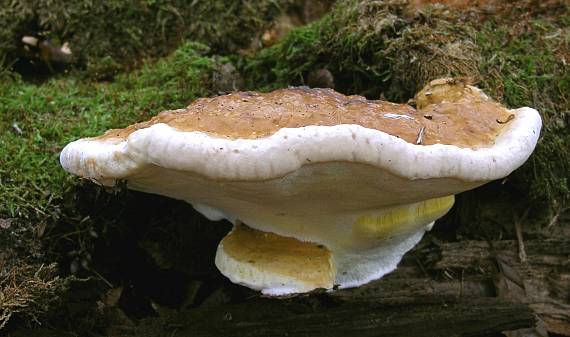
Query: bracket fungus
{"x": 324, "y": 190}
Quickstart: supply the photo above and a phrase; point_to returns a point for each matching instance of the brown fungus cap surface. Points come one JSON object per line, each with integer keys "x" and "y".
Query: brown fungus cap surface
{"x": 469, "y": 122}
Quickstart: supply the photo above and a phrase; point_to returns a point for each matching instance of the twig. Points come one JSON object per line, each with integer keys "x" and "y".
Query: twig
{"x": 555, "y": 218}
{"x": 109, "y": 284}
{"x": 509, "y": 118}
{"x": 420, "y": 138}
{"x": 520, "y": 241}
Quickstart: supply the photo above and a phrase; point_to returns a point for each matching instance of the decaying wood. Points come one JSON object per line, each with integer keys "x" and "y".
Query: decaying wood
{"x": 543, "y": 282}
{"x": 265, "y": 317}
{"x": 466, "y": 288}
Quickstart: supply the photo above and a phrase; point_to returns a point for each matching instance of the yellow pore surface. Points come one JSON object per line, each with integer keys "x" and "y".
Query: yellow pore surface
{"x": 281, "y": 256}
{"x": 401, "y": 219}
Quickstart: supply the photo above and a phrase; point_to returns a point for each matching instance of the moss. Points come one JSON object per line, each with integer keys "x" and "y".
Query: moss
{"x": 525, "y": 65}
{"x": 29, "y": 287}
{"x": 285, "y": 63}
{"x": 28, "y": 292}
{"x": 372, "y": 48}
{"x": 41, "y": 119}
{"x": 106, "y": 36}
{"x": 420, "y": 55}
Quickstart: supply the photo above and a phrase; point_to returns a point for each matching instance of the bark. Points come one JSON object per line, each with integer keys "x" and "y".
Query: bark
{"x": 542, "y": 282}
{"x": 463, "y": 318}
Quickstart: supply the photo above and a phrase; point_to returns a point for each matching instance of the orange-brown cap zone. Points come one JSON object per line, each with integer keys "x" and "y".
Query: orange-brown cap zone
{"x": 253, "y": 115}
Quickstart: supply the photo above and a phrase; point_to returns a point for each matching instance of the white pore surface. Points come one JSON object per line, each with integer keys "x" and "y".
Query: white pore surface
{"x": 310, "y": 183}
{"x": 357, "y": 267}
{"x": 354, "y": 267}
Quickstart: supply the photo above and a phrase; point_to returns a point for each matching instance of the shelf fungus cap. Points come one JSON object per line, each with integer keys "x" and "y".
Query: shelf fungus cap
{"x": 324, "y": 189}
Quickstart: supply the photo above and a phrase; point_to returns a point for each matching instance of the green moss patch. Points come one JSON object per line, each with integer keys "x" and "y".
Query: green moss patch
{"x": 524, "y": 65}
{"x": 39, "y": 120}
{"x": 107, "y": 36}
{"x": 373, "y": 48}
